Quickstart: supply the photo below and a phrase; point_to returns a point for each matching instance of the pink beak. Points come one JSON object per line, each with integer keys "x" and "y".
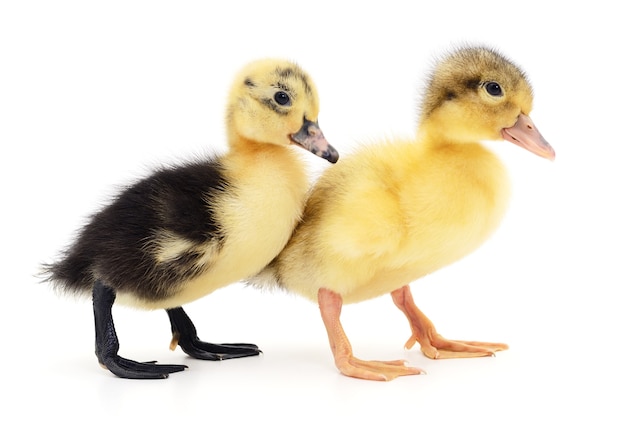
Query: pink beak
{"x": 311, "y": 138}
{"x": 525, "y": 134}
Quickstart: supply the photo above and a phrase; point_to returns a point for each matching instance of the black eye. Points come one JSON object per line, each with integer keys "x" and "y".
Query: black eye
{"x": 493, "y": 88}
{"x": 281, "y": 98}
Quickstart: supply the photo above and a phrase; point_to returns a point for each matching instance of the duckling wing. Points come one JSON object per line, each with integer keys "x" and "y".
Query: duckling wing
{"x": 167, "y": 226}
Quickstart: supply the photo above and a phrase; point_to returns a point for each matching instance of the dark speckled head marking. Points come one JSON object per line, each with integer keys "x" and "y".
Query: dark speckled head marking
{"x": 288, "y": 72}
{"x": 472, "y": 83}
{"x": 465, "y": 70}
{"x": 270, "y": 103}
{"x": 284, "y": 87}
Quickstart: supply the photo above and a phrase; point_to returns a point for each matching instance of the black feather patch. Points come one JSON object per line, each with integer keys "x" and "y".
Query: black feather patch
{"x": 118, "y": 245}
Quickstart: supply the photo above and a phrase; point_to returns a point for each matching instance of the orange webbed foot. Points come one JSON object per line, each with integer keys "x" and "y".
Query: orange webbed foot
{"x": 375, "y": 370}
{"x": 431, "y": 343}
{"x": 437, "y": 347}
{"x": 330, "y": 307}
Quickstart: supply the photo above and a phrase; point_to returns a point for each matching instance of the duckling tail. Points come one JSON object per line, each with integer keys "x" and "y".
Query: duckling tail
{"x": 69, "y": 275}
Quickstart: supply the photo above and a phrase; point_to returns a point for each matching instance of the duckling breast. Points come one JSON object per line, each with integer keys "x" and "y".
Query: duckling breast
{"x": 455, "y": 202}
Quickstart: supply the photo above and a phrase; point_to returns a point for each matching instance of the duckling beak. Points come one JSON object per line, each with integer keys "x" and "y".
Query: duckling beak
{"x": 311, "y": 138}
{"x": 525, "y": 134}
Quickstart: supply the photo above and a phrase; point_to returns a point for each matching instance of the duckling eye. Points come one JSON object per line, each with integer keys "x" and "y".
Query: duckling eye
{"x": 493, "y": 88}
{"x": 282, "y": 98}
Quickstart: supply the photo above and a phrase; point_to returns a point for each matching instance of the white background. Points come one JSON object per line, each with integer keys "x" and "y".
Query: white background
{"x": 93, "y": 94}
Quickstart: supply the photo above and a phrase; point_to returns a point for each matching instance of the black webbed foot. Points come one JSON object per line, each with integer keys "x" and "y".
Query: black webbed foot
{"x": 107, "y": 344}
{"x": 128, "y": 369}
{"x": 185, "y": 335}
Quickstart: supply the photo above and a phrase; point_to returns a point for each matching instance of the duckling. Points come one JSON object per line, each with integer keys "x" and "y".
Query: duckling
{"x": 398, "y": 210}
{"x": 187, "y": 230}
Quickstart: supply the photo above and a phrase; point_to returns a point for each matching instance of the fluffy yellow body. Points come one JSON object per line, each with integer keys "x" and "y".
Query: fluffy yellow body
{"x": 393, "y": 217}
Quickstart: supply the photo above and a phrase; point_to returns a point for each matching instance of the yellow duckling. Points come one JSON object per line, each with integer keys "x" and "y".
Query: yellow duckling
{"x": 397, "y": 211}
{"x": 186, "y": 231}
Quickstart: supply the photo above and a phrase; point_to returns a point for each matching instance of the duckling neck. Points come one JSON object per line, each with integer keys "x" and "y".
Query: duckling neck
{"x": 275, "y": 168}
{"x": 247, "y": 149}
{"x": 435, "y": 137}
{"x": 467, "y": 161}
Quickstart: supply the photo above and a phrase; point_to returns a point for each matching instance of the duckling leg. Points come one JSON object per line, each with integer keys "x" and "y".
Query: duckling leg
{"x": 432, "y": 344}
{"x": 184, "y": 335}
{"x": 330, "y": 307}
{"x": 107, "y": 344}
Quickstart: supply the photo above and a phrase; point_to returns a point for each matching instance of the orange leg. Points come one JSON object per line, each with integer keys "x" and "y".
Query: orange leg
{"x": 330, "y": 307}
{"x": 432, "y": 344}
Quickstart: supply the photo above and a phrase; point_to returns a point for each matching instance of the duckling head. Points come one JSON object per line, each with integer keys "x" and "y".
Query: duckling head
{"x": 276, "y": 102}
{"x": 475, "y": 93}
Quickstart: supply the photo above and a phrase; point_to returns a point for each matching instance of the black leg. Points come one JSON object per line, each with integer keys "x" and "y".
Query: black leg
{"x": 107, "y": 344}
{"x": 185, "y": 335}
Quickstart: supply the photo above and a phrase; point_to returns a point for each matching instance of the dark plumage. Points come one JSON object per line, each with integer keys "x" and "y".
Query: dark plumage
{"x": 117, "y": 246}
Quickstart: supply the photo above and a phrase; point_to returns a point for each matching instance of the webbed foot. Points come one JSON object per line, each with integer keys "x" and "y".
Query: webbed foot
{"x": 184, "y": 334}
{"x": 129, "y": 369}
{"x": 432, "y": 344}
